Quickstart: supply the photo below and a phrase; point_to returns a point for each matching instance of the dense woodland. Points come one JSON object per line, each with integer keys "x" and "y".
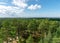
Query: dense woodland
{"x": 29, "y": 30}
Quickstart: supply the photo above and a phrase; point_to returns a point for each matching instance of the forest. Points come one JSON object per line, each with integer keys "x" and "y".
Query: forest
{"x": 29, "y": 30}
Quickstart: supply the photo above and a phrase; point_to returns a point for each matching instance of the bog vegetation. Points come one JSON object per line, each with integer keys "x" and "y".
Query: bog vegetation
{"x": 29, "y": 31}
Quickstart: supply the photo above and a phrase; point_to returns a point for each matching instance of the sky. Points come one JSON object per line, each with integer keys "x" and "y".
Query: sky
{"x": 29, "y": 8}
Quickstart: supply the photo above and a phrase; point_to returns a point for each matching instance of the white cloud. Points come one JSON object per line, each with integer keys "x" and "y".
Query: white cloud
{"x": 20, "y": 3}
{"x": 13, "y": 11}
{"x": 34, "y": 7}
{"x": 10, "y": 11}
{"x": 18, "y": 8}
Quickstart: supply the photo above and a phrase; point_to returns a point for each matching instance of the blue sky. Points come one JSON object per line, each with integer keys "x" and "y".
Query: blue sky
{"x": 29, "y": 8}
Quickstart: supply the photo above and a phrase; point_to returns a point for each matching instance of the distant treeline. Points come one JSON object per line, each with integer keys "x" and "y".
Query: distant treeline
{"x": 58, "y": 19}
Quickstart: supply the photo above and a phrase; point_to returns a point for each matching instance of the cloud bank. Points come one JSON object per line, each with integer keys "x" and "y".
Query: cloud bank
{"x": 18, "y": 8}
{"x": 20, "y": 3}
{"x": 7, "y": 11}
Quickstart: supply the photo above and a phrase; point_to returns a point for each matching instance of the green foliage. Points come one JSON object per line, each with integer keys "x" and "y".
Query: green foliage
{"x": 31, "y": 30}
{"x": 29, "y": 40}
